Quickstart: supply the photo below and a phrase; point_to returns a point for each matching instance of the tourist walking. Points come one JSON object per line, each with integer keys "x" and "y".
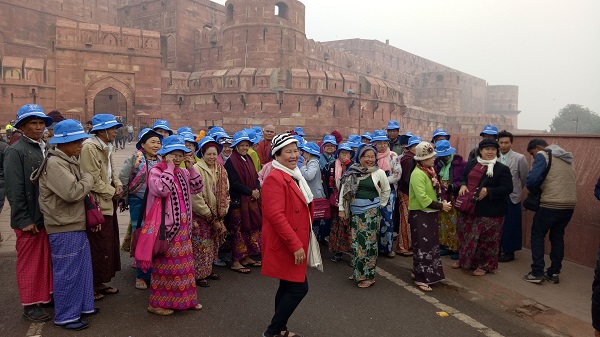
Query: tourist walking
{"x": 364, "y": 190}
{"x": 245, "y": 218}
{"x": 97, "y": 159}
{"x": 34, "y": 269}
{"x": 425, "y": 201}
{"x": 286, "y": 226}
{"x": 172, "y": 285}
{"x": 209, "y": 210}
{"x": 479, "y": 233}
{"x": 63, "y": 187}
{"x": 134, "y": 175}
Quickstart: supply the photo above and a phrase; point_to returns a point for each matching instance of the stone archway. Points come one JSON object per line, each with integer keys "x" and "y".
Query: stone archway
{"x": 105, "y": 87}
{"x": 113, "y": 102}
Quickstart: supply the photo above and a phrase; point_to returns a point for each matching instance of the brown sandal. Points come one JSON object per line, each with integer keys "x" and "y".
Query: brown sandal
{"x": 479, "y": 272}
{"x": 160, "y": 311}
{"x": 197, "y": 307}
{"x": 424, "y": 287}
{"x": 366, "y": 283}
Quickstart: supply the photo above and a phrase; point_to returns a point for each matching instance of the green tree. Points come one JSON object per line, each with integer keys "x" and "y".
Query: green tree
{"x": 574, "y": 118}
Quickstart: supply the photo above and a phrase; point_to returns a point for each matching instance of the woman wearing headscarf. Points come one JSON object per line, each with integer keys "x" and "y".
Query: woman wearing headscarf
{"x": 210, "y": 208}
{"x": 425, "y": 200}
{"x": 449, "y": 166}
{"x": 97, "y": 159}
{"x": 364, "y": 190}
{"x": 479, "y": 233}
{"x": 339, "y": 236}
{"x": 389, "y": 162}
{"x": 134, "y": 175}
{"x": 63, "y": 187}
{"x": 286, "y": 226}
{"x": 245, "y": 218}
{"x": 172, "y": 285}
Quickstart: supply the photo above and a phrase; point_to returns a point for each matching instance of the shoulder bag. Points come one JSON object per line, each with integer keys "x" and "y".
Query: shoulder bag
{"x": 534, "y": 198}
{"x": 160, "y": 245}
{"x": 93, "y": 213}
{"x": 466, "y": 203}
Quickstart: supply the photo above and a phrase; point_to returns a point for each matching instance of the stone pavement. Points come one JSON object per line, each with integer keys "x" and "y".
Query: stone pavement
{"x": 563, "y": 309}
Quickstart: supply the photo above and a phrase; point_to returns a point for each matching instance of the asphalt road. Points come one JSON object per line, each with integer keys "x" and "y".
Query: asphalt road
{"x": 241, "y": 305}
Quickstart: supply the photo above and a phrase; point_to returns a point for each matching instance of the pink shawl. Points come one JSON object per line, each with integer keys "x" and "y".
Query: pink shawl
{"x": 382, "y": 160}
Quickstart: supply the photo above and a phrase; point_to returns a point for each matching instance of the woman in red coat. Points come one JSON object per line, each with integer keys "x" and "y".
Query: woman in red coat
{"x": 287, "y": 216}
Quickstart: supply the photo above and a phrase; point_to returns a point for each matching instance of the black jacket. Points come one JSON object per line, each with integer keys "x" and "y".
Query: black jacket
{"x": 597, "y": 190}
{"x": 498, "y": 187}
{"x": 20, "y": 160}
{"x": 236, "y": 187}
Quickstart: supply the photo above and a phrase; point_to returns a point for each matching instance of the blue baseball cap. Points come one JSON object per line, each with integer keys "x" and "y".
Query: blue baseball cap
{"x": 33, "y": 110}
{"x": 312, "y": 148}
{"x": 489, "y": 129}
{"x": 347, "y": 147}
{"x": 147, "y": 131}
{"x": 379, "y": 135}
{"x": 439, "y": 132}
{"x": 68, "y": 131}
{"x": 393, "y": 125}
{"x": 103, "y": 122}
{"x": 443, "y": 148}
{"x": 329, "y": 139}
{"x": 164, "y": 125}
{"x": 239, "y": 137}
{"x": 173, "y": 143}
{"x": 414, "y": 140}
{"x": 299, "y": 131}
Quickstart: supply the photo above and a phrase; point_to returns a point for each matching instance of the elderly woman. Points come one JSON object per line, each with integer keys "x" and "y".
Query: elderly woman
{"x": 286, "y": 226}
{"x": 172, "y": 285}
{"x": 389, "y": 162}
{"x": 329, "y": 145}
{"x": 365, "y": 189}
{"x": 134, "y": 175}
{"x": 404, "y": 240}
{"x": 479, "y": 233}
{"x": 97, "y": 159}
{"x": 210, "y": 208}
{"x": 63, "y": 188}
{"x": 339, "y": 236}
{"x": 245, "y": 218}
{"x": 449, "y": 167}
{"x": 425, "y": 201}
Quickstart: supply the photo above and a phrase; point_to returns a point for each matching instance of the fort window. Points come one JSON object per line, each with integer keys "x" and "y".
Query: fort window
{"x": 230, "y": 12}
{"x": 281, "y": 10}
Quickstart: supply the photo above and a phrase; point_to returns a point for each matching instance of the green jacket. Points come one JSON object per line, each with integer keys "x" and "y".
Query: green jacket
{"x": 420, "y": 192}
{"x": 20, "y": 160}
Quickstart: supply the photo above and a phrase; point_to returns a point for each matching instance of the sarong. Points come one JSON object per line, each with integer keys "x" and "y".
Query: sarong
{"x": 364, "y": 243}
{"x": 173, "y": 285}
{"x": 386, "y": 229}
{"x": 104, "y": 245}
{"x": 34, "y": 267}
{"x": 243, "y": 243}
{"x": 339, "y": 236}
{"x": 479, "y": 241}
{"x": 72, "y": 273}
{"x": 403, "y": 241}
{"x": 427, "y": 264}
{"x": 204, "y": 247}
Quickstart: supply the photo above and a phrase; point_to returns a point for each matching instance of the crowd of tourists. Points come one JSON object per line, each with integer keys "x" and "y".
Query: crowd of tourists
{"x": 255, "y": 199}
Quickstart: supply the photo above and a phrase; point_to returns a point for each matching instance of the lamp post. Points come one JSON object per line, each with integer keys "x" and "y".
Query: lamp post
{"x": 576, "y": 120}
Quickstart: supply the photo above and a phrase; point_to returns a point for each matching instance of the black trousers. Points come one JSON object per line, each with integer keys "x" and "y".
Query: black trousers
{"x": 596, "y": 295}
{"x": 288, "y": 297}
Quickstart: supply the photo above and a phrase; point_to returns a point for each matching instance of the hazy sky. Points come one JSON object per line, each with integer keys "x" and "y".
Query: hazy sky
{"x": 550, "y": 49}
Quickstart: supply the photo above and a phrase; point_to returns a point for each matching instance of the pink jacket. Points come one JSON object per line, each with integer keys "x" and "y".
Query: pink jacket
{"x": 162, "y": 185}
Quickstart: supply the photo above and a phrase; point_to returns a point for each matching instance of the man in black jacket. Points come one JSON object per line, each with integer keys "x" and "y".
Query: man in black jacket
{"x": 34, "y": 269}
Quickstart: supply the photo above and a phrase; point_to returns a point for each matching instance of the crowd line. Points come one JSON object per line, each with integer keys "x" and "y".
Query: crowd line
{"x": 262, "y": 199}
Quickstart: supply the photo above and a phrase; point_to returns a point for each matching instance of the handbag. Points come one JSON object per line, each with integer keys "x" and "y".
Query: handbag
{"x": 314, "y": 252}
{"x": 466, "y": 203}
{"x": 534, "y": 198}
{"x": 93, "y": 213}
{"x": 333, "y": 198}
{"x": 322, "y": 209}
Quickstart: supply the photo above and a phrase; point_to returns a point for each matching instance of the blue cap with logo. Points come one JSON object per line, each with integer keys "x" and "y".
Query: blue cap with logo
{"x": 68, "y": 131}
{"x": 239, "y": 137}
{"x": 103, "y": 122}
{"x": 354, "y": 140}
{"x": 173, "y": 143}
{"x": 393, "y": 125}
{"x": 379, "y": 135}
{"x": 32, "y": 110}
{"x": 444, "y": 149}
{"x": 414, "y": 140}
{"x": 438, "y": 133}
{"x": 312, "y": 148}
{"x": 489, "y": 129}
{"x": 329, "y": 139}
{"x": 150, "y": 133}
{"x": 346, "y": 147}
{"x": 164, "y": 125}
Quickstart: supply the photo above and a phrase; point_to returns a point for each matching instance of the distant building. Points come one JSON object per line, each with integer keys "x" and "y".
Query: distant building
{"x": 249, "y": 62}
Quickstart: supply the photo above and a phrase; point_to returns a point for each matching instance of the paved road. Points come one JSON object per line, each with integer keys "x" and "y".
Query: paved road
{"x": 241, "y": 305}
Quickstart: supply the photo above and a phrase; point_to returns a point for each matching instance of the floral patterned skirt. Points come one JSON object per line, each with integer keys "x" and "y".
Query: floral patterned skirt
{"x": 243, "y": 243}
{"x": 427, "y": 264}
{"x": 339, "y": 237}
{"x": 403, "y": 241}
{"x": 364, "y": 228}
{"x": 204, "y": 247}
{"x": 479, "y": 241}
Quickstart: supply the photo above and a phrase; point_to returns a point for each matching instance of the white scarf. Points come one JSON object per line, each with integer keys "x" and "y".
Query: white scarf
{"x": 295, "y": 173}
{"x": 490, "y": 165}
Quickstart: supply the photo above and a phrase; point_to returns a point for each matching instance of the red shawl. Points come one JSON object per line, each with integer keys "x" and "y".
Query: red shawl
{"x": 250, "y": 209}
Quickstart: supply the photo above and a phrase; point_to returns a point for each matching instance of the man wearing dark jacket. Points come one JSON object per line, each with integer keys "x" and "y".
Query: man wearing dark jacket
{"x": 34, "y": 269}
{"x": 558, "y": 199}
